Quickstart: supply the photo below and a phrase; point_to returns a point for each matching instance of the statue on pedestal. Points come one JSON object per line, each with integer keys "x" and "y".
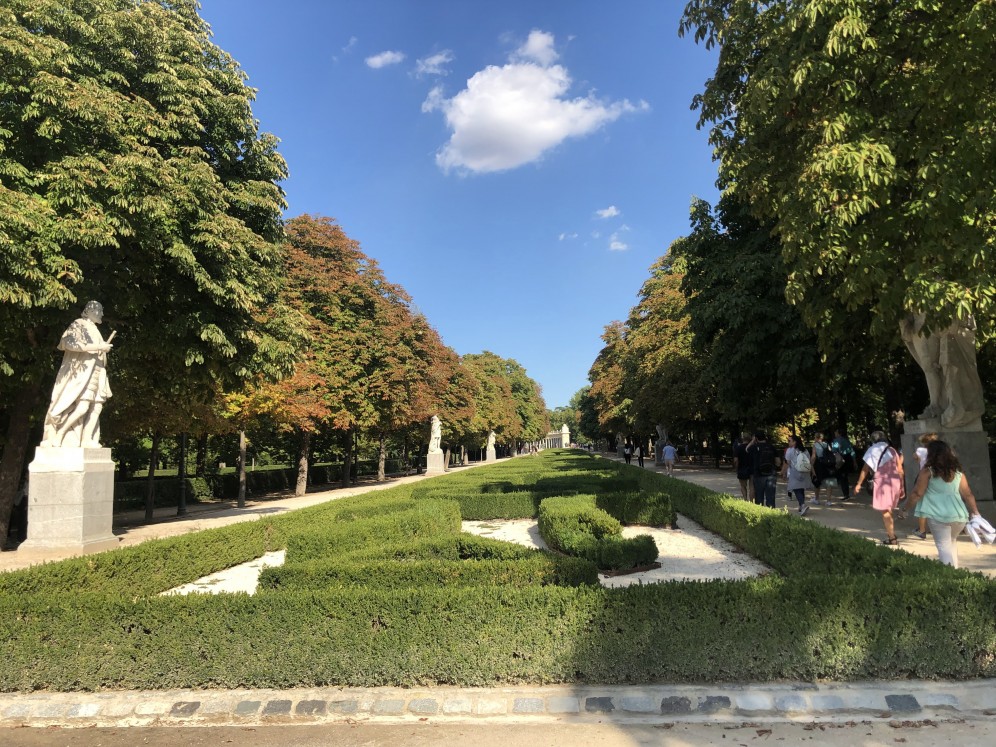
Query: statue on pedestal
{"x": 436, "y": 436}
{"x": 947, "y": 358}
{"x": 491, "y": 440}
{"x": 81, "y": 386}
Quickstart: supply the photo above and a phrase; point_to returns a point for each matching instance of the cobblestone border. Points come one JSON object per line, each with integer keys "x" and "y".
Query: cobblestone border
{"x": 916, "y": 700}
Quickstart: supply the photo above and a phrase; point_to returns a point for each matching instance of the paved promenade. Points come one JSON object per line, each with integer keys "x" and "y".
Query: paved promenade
{"x": 899, "y": 702}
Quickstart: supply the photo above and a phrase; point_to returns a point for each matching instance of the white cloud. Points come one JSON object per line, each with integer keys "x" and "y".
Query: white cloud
{"x": 434, "y": 64}
{"x": 616, "y": 244}
{"x": 350, "y": 45}
{"x": 610, "y": 212}
{"x": 511, "y": 115}
{"x": 566, "y": 236}
{"x": 538, "y": 48}
{"x": 384, "y": 59}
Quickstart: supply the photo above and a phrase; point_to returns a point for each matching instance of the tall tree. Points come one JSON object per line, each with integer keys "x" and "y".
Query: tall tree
{"x": 133, "y": 172}
{"x": 608, "y": 376}
{"x": 508, "y": 403}
{"x": 863, "y": 131}
{"x": 663, "y": 371}
{"x": 757, "y": 353}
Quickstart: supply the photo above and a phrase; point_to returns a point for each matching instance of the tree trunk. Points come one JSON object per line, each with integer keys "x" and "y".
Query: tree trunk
{"x": 463, "y": 455}
{"x": 200, "y": 469}
{"x": 382, "y": 460}
{"x": 181, "y": 473}
{"x": 347, "y": 458}
{"x": 15, "y": 453}
{"x": 302, "y": 464}
{"x": 241, "y": 501}
{"x": 150, "y": 489}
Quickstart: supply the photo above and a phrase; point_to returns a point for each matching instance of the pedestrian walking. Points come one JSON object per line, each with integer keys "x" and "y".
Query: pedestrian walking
{"x": 764, "y": 469}
{"x": 824, "y": 472}
{"x": 742, "y": 464}
{"x": 628, "y": 452}
{"x": 670, "y": 454}
{"x": 796, "y": 468}
{"x": 942, "y": 497}
{"x": 886, "y": 464}
{"x": 843, "y": 453}
{"x": 921, "y": 456}
{"x": 639, "y": 455}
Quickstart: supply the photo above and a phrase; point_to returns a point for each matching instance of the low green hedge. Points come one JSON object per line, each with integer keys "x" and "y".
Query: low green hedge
{"x": 131, "y": 494}
{"x": 540, "y": 569}
{"x": 574, "y": 525}
{"x": 445, "y": 547}
{"x": 839, "y": 607}
{"x": 758, "y": 630}
{"x": 425, "y": 519}
{"x": 648, "y": 507}
{"x": 475, "y": 506}
{"x": 793, "y": 546}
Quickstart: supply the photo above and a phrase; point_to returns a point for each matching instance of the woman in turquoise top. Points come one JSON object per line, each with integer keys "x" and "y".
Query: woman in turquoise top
{"x": 942, "y": 496}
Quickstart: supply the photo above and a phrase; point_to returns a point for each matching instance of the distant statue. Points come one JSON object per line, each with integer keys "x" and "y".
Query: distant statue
{"x": 947, "y": 358}
{"x": 491, "y": 440}
{"x": 81, "y": 386}
{"x": 436, "y": 436}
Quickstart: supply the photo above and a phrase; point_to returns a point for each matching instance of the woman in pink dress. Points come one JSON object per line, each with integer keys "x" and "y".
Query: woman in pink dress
{"x": 887, "y": 488}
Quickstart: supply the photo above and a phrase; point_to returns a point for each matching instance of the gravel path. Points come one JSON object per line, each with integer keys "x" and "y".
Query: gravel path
{"x": 690, "y": 553}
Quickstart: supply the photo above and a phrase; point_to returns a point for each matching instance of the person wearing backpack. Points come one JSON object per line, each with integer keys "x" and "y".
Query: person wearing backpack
{"x": 764, "y": 469}
{"x": 797, "y": 468}
{"x": 843, "y": 454}
{"x": 882, "y": 460}
{"x": 824, "y": 470}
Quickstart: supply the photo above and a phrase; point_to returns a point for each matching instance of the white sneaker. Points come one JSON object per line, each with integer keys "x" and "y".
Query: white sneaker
{"x": 829, "y": 503}
{"x": 803, "y": 509}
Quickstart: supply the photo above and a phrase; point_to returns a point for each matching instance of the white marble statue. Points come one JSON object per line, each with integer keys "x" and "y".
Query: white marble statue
{"x": 947, "y": 358}
{"x": 436, "y": 436}
{"x": 491, "y": 440}
{"x": 81, "y": 387}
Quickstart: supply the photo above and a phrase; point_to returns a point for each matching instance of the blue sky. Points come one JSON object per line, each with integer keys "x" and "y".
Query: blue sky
{"x": 516, "y": 166}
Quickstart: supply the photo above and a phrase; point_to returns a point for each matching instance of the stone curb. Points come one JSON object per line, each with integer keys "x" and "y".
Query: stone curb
{"x": 908, "y": 700}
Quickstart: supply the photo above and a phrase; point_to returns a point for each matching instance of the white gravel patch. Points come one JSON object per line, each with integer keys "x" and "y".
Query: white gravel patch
{"x": 690, "y": 553}
{"x": 242, "y": 578}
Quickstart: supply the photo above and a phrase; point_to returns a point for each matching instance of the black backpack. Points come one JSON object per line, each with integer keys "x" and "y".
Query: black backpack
{"x": 828, "y": 461}
{"x": 765, "y": 459}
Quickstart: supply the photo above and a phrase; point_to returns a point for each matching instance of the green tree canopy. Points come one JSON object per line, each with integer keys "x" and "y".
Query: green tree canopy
{"x": 132, "y": 171}
{"x": 863, "y": 131}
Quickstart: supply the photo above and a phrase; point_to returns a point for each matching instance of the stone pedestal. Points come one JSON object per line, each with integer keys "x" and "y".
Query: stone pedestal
{"x": 489, "y": 455}
{"x": 70, "y": 499}
{"x": 434, "y": 463}
{"x": 970, "y": 444}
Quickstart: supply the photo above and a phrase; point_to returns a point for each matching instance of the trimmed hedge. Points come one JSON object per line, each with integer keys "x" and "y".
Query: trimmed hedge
{"x": 488, "y": 636}
{"x": 425, "y": 519}
{"x": 795, "y": 547}
{"x": 840, "y": 607}
{"x": 573, "y": 524}
{"x": 540, "y": 569}
{"x": 130, "y": 494}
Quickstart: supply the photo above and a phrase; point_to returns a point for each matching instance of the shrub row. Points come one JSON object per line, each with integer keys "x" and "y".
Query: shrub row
{"x": 423, "y": 519}
{"x": 574, "y": 525}
{"x": 540, "y": 569}
{"x": 792, "y": 546}
{"x": 848, "y": 609}
{"x": 131, "y": 494}
{"x": 852, "y": 628}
